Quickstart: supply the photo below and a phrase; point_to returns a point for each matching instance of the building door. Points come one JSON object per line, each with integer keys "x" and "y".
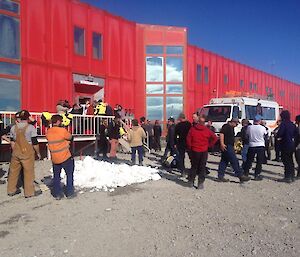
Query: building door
{"x": 88, "y": 88}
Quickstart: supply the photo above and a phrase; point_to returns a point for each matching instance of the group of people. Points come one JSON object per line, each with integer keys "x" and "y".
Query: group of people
{"x": 93, "y": 108}
{"x": 198, "y": 137}
{"x": 194, "y": 138}
{"x": 25, "y": 150}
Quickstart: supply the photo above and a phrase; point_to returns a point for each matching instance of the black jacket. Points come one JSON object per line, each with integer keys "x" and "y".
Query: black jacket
{"x": 114, "y": 130}
{"x": 171, "y": 136}
{"x": 157, "y": 130}
{"x": 181, "y": 131}
{"x": 286, "y": 135}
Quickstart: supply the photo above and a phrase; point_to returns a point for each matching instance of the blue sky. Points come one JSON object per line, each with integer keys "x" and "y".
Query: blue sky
{"x": 261, "y": 33}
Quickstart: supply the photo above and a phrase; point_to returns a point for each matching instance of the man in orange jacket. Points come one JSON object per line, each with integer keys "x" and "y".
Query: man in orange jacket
{"x": 59, "y": 146}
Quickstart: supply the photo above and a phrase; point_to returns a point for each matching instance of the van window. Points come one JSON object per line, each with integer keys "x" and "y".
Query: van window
{"x": 235, "y": 112}
{"x": 268, "y": 113}
{"x": 216, "y": 113}
{"x": 250, "y": 112}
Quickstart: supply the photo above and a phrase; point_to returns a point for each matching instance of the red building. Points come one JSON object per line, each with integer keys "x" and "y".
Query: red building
{"x": 65, "y": 49}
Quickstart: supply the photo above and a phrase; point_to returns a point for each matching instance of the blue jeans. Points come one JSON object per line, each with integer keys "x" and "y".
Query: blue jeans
{"x": 244, "y": 152}
{"x": 68, "y": 166}
{"x": 140, "y": 151}
{"x": 228, "y": 156}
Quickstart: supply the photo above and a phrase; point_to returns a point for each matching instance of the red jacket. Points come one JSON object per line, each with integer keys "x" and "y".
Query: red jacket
{"x": 200, "y": 138}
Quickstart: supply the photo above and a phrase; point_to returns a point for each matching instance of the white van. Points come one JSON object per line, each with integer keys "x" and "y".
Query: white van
{"x": 222, "y": 110}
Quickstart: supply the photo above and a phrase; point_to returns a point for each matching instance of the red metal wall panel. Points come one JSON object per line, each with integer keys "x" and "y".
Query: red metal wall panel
{"x": 34, "y": 29}
{"x": 127, "y": 50}
{"x": 60, "y": 31}
{"x": 34, "y": 97}
{"x": 80, "y": 19}
{"x": 112, "y": 42}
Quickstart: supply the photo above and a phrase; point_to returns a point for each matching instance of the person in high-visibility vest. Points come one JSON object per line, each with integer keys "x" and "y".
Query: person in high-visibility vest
{"x": 59, "y": 146}
{"x": 100, "y": 108}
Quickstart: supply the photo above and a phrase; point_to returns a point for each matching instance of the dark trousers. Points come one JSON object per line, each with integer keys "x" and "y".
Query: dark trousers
{"x": 277, "y": 150}
{"x": 181, "y": 149}
{"x": 157, "y": 145}
{"x": 229, "y": 156}
{"x": 103, "y": 147}
{"x": 140, "y": 151}
{"x": 259, "y": 152}
{"x": 268, "y": 151}
{"x": 68, "y": 166}
{"x": 288, "y": 162}
{"x": 199, "y": 160}
{"x": 297, "y": 154}
{"x": 168, "y": 150}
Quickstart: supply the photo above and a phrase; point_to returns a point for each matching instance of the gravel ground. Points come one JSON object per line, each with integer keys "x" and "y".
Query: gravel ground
{"x": 161, "y": 218}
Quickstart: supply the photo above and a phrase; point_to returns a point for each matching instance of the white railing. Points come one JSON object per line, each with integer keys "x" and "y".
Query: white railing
{"x": 82, "y": 127}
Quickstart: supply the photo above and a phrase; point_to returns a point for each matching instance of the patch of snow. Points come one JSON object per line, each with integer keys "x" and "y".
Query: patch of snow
{"x": 99, "y": 175}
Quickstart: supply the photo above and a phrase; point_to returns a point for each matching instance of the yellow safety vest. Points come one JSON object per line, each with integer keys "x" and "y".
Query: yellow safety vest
{"x": 47, "y": 115}
{"x": 67, "y": 118}
{"x": 100, "y": 109}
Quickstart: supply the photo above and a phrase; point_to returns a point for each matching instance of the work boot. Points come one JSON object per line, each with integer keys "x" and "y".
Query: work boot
{"x": 258, "y": 177}
{"x": 285, "y": 180}
{"x": 190, "y": 184}
{"x": 244, "y": 178}
{"x": 36, "y": 193}
{"x": 222, "y": 179}
{"x": 18, "y": 191}
{"x": 200, "y": 185}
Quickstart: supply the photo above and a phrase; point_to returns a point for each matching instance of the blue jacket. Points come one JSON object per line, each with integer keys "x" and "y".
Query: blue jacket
{"x": 286, "y": 135}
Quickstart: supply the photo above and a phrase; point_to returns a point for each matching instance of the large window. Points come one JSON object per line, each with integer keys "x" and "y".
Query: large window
{"x": 154, "y": 89}
{"x": 9, "y": 37}
{"x": 154, "y": 69}
{"x": 174, "y": 89}
{"x": 10, "y": 6}
{"x": 154, "y": 49}
{"x": 9, "y": 94}
{"x": 174, "y": 69}
{"x": 97, "y": 46}
{"x": 164, "y": 81}
{"x": 155, "y": 109}
{"x": 9, "y": 68}
{"x": 79, "y": 47}
{"x": 174, "y": 106}
{"x": 175, "y": 50}
{"x": 206, "y": 75}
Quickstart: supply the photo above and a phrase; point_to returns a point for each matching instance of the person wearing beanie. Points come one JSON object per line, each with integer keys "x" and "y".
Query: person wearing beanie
{"x": 24, "y": 145}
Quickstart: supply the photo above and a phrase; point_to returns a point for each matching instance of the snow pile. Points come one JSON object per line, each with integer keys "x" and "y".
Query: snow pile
{"x": 100, "y": 175}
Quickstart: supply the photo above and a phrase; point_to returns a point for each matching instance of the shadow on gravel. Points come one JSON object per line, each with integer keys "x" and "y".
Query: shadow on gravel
{"x": 3, "y": 234}
{"x": 14, "y": 219}
{"x": 125, "y": 190}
